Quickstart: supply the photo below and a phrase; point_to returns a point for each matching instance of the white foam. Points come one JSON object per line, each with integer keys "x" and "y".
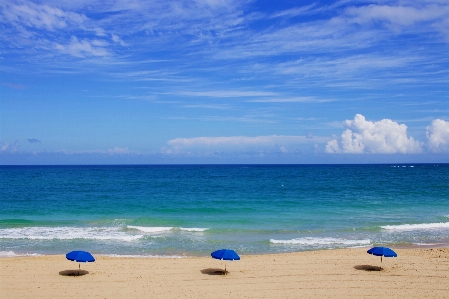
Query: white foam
{"x": 7, "y": 253}
{"x": 151, "y": 229}
{"x": 193, "y": 229}
{"x": 67, "y": 233}
{"x": 13, "y": 254}
{"x": 142, "y": 256}
{"x": 422, "y": 226}
{"x": 322, "y": 241}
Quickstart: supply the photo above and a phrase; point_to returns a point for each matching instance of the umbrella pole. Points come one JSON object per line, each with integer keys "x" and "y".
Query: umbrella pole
{"x": 79, "y": 267}
{"x": 225, "y": 269}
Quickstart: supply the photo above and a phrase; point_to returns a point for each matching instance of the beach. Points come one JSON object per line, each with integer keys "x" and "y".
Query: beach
{"x": 339, "y": 273}
{"x": 302, "y": 231}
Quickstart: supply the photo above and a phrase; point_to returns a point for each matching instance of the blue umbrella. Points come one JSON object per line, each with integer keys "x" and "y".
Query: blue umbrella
{"x": 80, "y": 257}
{"x": 225, "y": 254}
{"x": 382, "y": 251}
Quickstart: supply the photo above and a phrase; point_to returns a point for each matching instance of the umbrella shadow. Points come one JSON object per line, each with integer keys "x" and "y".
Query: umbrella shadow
{"x": 214, "y": 271}
{"x": 73, "y": 272}
{"x": 368, "y": 268}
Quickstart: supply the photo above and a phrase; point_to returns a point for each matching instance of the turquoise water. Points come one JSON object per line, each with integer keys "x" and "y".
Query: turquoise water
{"x": 192, "y": 210}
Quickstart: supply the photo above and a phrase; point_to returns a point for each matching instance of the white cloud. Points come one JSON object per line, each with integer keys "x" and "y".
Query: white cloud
{"x": 402, "y": 16}
{"x": 381, "y": 137}
{"x": 116, "y": 39}
{"x": 292, "y": 100}
{"x": 398, "y": 15}
{"x": 269, "y": 144}
{"x": 83, "y": 48}
{"x": 119, "y": 151}
{"x": 40, "y": 16}
{"x": 111, "y": 151}
{"x": 438, "y": 136}
{"x": 227, "y": 93}
{"x": 294, "y": 12}
{"x": 7, "y": 148}
{"x": 241, "y": 140}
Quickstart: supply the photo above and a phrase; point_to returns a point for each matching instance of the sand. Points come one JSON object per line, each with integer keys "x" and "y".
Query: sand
{"x": 346, "y": 273}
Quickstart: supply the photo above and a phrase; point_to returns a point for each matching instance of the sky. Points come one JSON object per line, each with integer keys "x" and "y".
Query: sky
{"x": 224, "y": 81}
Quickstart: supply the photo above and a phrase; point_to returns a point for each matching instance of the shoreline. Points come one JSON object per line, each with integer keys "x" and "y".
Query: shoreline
{"x": 11, "y": 254}
{"x": 336, "y": 273}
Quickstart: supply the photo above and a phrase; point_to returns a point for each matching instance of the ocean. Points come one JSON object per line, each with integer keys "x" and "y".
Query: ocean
{"x": 192, "y": 210}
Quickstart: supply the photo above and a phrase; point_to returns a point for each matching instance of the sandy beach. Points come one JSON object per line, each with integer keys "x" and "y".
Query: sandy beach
{"x": 346, "y": 273}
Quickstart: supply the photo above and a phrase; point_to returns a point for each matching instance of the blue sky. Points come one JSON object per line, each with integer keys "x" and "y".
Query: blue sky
{"x": 223, "y": 81}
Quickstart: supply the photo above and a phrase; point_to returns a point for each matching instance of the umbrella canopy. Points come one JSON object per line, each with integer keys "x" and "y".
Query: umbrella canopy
{"x": 225, "y": 254}
{"x": 382, "y": 251}
{"x": 80, "y": 256}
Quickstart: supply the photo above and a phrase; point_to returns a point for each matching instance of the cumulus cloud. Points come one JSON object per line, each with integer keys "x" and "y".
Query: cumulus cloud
{"x": 438, "y": 136}
{"x": 381, "y": 137}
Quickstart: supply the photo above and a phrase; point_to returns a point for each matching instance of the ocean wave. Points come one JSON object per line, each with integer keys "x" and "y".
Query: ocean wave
{"x": 193, "y": 229}
{"x": 424, "y": 244}
{"x": 67, "y": 233}
{"x": 142, "y": 256}
{"x": 151, "y": 229}
{"x": 13, "y": 254}
{"x": 404, "y": 166}
{"x": 163, "y": 229}
{"x": 322, "y": 241}
{"x": 422, "y": 226}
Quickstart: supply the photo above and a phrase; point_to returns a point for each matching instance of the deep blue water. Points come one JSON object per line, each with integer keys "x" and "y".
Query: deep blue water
{"x": 193, "y": 210}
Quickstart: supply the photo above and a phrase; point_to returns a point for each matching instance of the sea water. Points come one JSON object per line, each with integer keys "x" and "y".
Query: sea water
{"x": 192, "y": 210}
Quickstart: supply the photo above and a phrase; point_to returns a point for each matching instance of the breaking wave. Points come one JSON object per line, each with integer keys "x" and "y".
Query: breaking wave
{"x": 151, "y": 229}
{"x": 67, "y": 233}
{"x": 322, "y": 241}
{"x": 422, "y": 226}
{"x": 13, "y": 254}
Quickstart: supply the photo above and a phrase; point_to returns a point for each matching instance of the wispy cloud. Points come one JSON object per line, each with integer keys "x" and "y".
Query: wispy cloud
{"x": 83, "y": 48}
{"x": 402, "y": 17}
{"x": 207, "y": 106}
{"x": 32, "y": 15}
{"x": 227, "y": 93}
{"x": 12, "y": 85}
{"x": 243, "y": 140}
{"x": 292, "y": 100}
{"x": 297, "y": 11}
{"x": 7, "y": 148}
{"x": 240, "y": 145}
